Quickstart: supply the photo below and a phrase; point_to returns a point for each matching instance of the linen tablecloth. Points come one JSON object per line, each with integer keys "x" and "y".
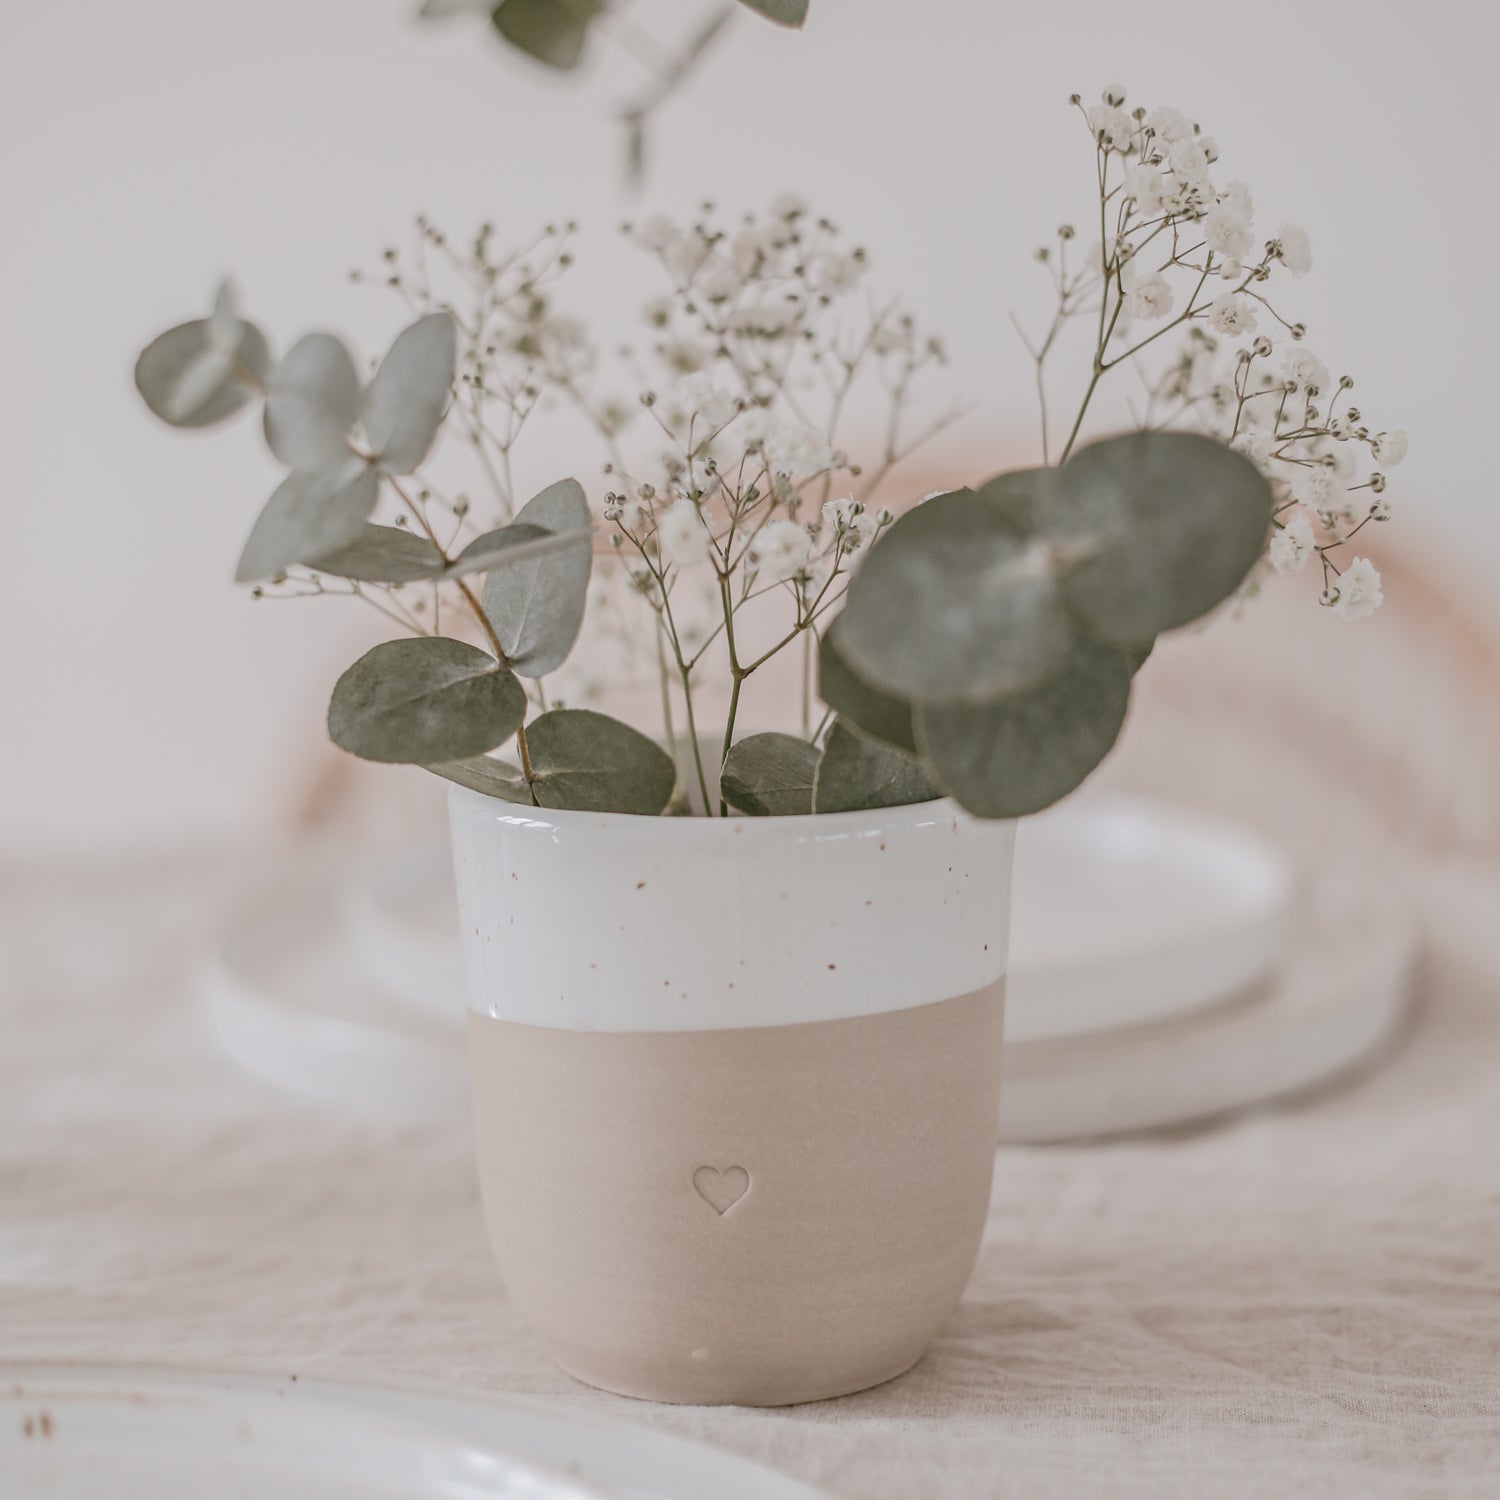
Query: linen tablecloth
{"x": 1303, "y": 1303}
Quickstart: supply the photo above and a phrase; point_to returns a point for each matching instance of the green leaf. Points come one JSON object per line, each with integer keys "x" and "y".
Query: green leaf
{"x": 423, "y": 702}
{"x": 312, "y": 399}
{"x": 484, "y": 774}
{"x": 1021, "y": 753}
{"x": 440, "y": 10}
{"x": 508, "y": 545}
{"x": 1163, "y": 526}
{"x": 407, "y": 399}
{"x": 589, "y": 762}
{"x": 382, "y": 554}
{"x": 202, "y": 372}
{"x": 782, "y": 12}
{"x": 535, "y": 606}
{"x": 856, "y": 702}
{"x": 856, "y": 772}
{"x": 958, "y": 601}
{"x": 1137, "y": 656}
{"x": 551, "y": 31}
{"x": 770, "y": 775}
{"x": 307, "y": 517}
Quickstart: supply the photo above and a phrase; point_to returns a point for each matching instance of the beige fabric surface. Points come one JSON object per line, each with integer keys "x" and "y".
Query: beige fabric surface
{"x": 1304, "y": 1303}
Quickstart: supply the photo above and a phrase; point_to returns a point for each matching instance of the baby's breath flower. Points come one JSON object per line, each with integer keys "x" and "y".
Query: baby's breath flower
{"x": 1339, "y": 458}
{"x": 1291, "y": 546}
{"x": 833, "y": 273}
{"x": 781, "y": 550}
{"x": 716, "y": 282}
{"x": 1188, "y": 159}
{"x": 700, "y": 397}
{"x": 1316, "y": 486}
{"x": 1147, "y": 296}
{"x": 1143, "y": 183}
{"x": 1389, "y": 448}
{"x": 787, "y": 206}
{"x": 1113, "y": 128}
{"x": 1231, "y": 315}
{"x": 628, "y": 514}
{"x": 852, "y": 526}
{"x": 754, "y": 427}
{"x": 1295, "y": 249}
{"x": 1169, "y": 124}
{"x": 1256, "y": 446}
{"x": 799, "y": 449}
{"x": 754, "y": 246}
{"x": 1358, "y": 590}
{"x": 682, "y": 535}
{"x": 1226, "y": 232}
{"x": 1235, "y": 197}
{"x": 1305, "y": 370}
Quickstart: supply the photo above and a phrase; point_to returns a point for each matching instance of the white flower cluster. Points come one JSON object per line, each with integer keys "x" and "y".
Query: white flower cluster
{"x": 1181, "y": 254}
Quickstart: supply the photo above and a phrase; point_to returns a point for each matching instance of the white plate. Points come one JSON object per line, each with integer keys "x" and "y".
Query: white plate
{"x": 1339, "y": 996}
{"x": 403, "y": 927}
{"x": 1128, "y": 911}
{"x": 284, "y": 997}
{"x": 77, "y": 1433}
{"x": 83, "y": 1435}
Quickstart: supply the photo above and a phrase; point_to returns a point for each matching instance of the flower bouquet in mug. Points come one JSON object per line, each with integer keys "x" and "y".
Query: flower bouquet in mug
{"x": 736, "y": 998}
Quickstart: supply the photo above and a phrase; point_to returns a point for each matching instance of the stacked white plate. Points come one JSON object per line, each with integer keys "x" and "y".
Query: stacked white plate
{"x": 1165, "y": 967}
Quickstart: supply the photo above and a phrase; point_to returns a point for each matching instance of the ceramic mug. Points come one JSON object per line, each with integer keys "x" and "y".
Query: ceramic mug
{"x": 736, "y": 1085}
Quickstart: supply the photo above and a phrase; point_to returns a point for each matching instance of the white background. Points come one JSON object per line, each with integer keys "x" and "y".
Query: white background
{"x": 151, "y": 147}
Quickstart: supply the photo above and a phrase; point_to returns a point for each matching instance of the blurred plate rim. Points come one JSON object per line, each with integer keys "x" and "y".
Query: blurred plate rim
{"x": 635, "y": 1454}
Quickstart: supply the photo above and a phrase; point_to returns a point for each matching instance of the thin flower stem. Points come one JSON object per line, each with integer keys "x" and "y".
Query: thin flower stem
{"x": 522, "y": 748}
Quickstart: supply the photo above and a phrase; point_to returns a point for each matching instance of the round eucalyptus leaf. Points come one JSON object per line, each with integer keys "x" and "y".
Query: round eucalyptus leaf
{"x": 782, "y": 12}
{"x": 1019, "y": 495}
{"x": 312, "y": 399}
{"x": 382, "y": 554}
{"x": 589, "y": 762}
{"x": 770, "y": 775}
{"x": 856, "y": 772}
{"x": 486, "y": 775}
{"x": 202, "y": 372}
{"x": 956, "y": 603}
{"x": 1161, "y": 527}
{"x": 856, "y": 702}
{"x": 1023, "y": 752}
{"x": 508, "y": 545}
{"x": 551, "y": 31}
{"x": 308, "y": 517}
{"x": 535, "y": 604}
{"x": 424, "y": 702}
{"x": 406, "y": 399}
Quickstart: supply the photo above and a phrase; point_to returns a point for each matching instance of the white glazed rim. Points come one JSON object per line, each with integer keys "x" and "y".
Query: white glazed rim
{"x": 912, "y": 818}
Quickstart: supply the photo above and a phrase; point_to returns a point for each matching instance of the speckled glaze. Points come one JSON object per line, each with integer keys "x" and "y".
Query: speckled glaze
{"x": 736, "y": 1086}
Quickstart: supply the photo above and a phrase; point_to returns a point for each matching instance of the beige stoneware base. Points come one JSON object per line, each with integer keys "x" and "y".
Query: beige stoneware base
{"x": 757, "y": 1216}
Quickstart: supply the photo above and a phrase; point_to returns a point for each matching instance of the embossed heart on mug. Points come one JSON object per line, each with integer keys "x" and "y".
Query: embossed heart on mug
{"x": 721, "y": 1190}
